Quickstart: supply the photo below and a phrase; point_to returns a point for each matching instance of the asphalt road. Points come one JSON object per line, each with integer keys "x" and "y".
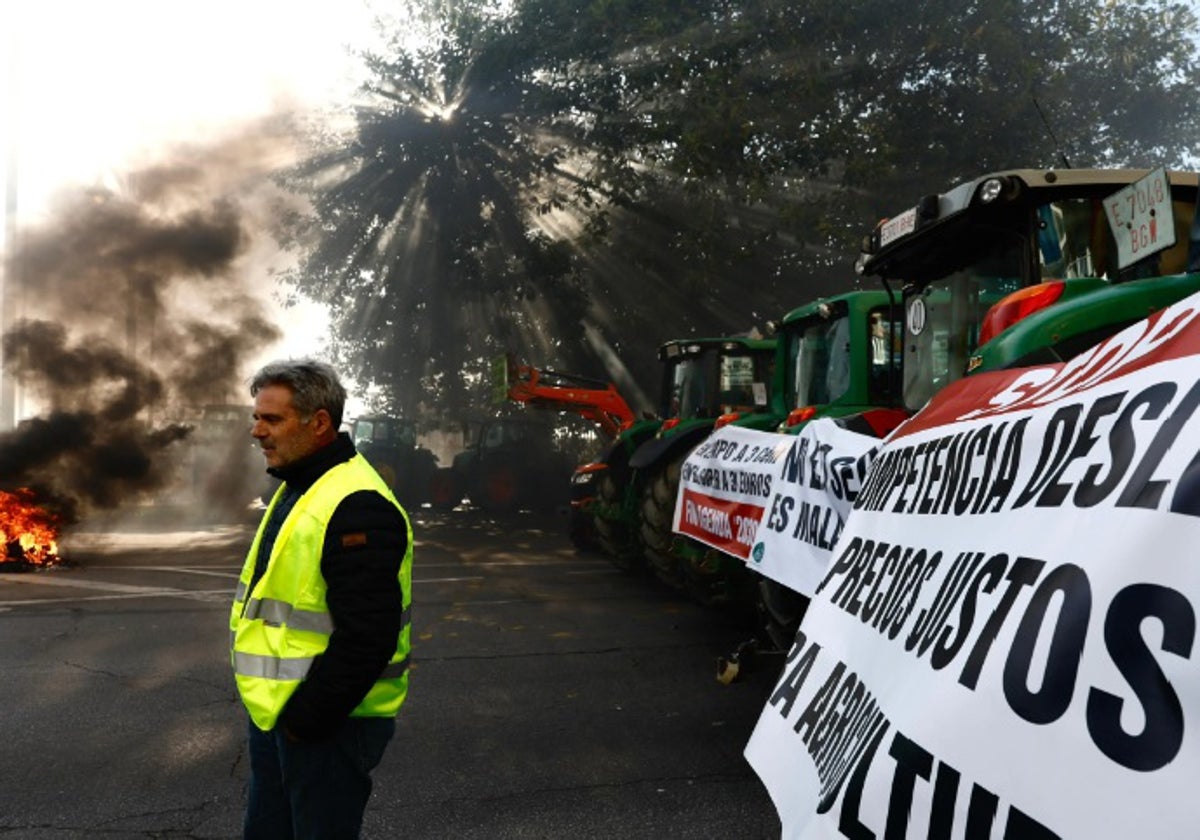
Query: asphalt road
{"x": 551, "y": 696}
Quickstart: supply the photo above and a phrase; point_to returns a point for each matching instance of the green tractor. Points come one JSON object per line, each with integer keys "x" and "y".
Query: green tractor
{"x": 390, "y": 445}
{"x": 739, "y": 377}
{"x": 1026, "y": 267}
{"x": 511, "y": 462}
{"x": 1033, "y": 267}
{"x": 703, "y": 379}
{"x": 840, "y": 357}
{"x": 835, "y": 356}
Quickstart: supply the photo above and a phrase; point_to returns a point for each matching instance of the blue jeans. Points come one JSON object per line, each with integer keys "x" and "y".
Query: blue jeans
{"x": 313, "y": 791}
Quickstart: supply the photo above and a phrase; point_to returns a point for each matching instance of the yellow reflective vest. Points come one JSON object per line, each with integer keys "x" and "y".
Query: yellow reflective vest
{"x": 284, "y": 623}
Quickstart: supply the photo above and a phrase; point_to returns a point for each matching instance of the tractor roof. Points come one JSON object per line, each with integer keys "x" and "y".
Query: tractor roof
{"x": 997, "y": 192}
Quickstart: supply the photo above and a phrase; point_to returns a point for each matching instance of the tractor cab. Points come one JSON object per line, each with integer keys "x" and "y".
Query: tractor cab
{"x": 707, "y": 378}
{"x": 383, "y": 431}
{"x": 839, "y": 355}
{"x": 1029, "y": 266}
{"x": 391, "y": 446}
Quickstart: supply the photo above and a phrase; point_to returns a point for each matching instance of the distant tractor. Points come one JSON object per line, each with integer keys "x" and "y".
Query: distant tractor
{"x": 592, "y": 399}
{"x": 510, "y": 463}
{"x": 628, "y": 490}
{"x": 390, "y": 445}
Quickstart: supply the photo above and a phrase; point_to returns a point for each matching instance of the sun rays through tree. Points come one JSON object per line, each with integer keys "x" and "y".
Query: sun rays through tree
{"x": 579, "y": 181}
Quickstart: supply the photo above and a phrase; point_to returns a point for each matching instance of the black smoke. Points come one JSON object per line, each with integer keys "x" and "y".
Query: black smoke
{"x": 132, "y": 310}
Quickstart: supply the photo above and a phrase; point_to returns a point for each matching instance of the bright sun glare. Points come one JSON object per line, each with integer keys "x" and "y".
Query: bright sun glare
{"x": 91, "y": 90}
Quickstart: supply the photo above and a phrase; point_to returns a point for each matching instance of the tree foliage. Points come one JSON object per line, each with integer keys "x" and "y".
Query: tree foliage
{"x": 578, "y": 181}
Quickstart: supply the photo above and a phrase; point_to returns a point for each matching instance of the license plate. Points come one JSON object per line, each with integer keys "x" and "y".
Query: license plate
{"x": 1141, "y": 218}
{"x": 901, "y": 225}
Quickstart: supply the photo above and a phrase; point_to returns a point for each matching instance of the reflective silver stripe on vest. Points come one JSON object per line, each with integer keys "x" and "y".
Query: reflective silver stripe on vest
{"x": 239, "y": 594}
{"x": 274, "y": 668}
{"x": 278, "y": 613}
{"x": 405, "y": 621}
{"x": 271, "y": 667}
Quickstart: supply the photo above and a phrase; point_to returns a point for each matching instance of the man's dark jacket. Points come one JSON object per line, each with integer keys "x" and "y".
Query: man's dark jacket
{"x": 364, "y": 543}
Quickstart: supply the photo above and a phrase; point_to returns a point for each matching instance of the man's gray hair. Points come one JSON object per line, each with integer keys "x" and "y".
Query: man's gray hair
{"x": 314, "y": 385}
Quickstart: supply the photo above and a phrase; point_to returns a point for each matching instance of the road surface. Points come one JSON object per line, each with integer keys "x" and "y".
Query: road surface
{"x": 551, "y": 696}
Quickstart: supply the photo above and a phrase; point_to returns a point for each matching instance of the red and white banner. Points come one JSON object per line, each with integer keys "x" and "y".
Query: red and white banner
{"x": 1004, "y": 645}
{"x": 776, "y": 501}
{"x": 723, "y": 486}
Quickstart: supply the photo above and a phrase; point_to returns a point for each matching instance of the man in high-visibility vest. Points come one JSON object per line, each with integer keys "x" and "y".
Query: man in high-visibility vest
{"x": 320, "y": 621}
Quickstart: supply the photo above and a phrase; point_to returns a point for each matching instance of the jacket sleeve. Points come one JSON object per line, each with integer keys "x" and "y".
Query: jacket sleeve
{"x": 364, "y": 544}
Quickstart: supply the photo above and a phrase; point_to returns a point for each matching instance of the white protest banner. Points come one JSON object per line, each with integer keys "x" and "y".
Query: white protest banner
{"x": 1004, "y": 645}
{"x": 811, "y": 491}
{"x": 723, "y": 485}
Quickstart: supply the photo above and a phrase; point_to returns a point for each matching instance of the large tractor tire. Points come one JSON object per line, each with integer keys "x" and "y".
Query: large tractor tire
{"x": 422, "y": 471}
{"x": 401, "y": 483}
{"x": 444, "y": 492}
{"x": 657, "y": 512}
{"x": 498, "y": 488}
{"x": 780, "y": 611}
{"x": 616, "y": 539}
{"x": 716, "y": 579}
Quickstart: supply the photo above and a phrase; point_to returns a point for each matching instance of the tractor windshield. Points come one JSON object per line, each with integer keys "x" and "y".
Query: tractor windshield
{"x": 1075, "y": 239}
{"x": 384, "y": 430}
{"x": 818, "y": 358}
{"x": 364, "y": 432}
{"x": 743, "y": 381}
{"x": 708, "y": 381}
{"x": 689, "y": 385}
{"x": 943, "y": 318}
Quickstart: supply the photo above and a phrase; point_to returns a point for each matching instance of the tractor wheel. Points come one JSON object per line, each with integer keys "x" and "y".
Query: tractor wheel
{"x": 716, "y": 579}
{"x": 422, "y": 470}
{"x": 499, "y": 488}
{"x": 780, "y": 611}
{"x": 657, "y": 512}
{"x": 399, "y": 482}
{"x": 444, "y": 492}
{"x": 617, "y": 540}
{"x": 581, "y": 530}
{"x": 387, "y": 472}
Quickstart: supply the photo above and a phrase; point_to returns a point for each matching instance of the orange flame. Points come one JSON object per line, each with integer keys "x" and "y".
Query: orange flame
{"x": 30, "y": 533}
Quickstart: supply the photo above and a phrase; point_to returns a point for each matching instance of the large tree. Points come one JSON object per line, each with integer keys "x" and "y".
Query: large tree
{"x": 579, "y": 181}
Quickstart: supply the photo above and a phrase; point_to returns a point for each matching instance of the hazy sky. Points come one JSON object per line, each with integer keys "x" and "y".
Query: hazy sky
{"x": 90, "y": 90}
{"x": 91, "y": 86}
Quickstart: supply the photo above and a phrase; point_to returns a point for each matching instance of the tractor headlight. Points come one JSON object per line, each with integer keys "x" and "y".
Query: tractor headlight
{"x": 991, "y": 190}
{"x": 581, "y": 478}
